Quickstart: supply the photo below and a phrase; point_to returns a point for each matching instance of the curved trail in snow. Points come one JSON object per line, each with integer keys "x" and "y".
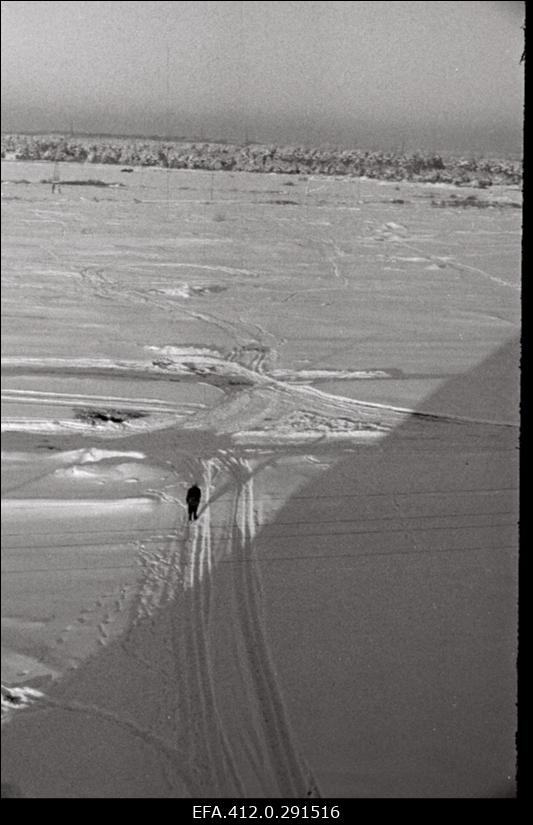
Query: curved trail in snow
{"x": 252, "y": 395}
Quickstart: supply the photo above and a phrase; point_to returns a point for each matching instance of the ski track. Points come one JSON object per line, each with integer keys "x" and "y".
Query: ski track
{"x": 105, "y": 287}
{"x": 457, "y": 265}
{"x": 291, "y": 774}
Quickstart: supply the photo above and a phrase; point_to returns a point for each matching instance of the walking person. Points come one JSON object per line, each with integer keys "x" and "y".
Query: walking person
{"x": 194, "y": 494}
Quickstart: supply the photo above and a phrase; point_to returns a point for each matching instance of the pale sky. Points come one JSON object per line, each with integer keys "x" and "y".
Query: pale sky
{"x": 441, "y": 75}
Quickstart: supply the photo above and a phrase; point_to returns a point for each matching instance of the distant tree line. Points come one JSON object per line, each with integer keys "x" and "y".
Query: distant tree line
{"x": 426, "y": 167}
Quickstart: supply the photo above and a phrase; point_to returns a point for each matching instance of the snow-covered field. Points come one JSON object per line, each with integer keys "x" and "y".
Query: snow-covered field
{"x": 334, "y": 361}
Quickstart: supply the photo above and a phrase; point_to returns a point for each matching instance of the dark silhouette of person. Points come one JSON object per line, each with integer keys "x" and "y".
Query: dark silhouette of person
{"x": 194, "y": 494}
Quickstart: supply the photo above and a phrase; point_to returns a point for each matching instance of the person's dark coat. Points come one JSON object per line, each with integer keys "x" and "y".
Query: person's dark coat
{"x": 194, "y": 494}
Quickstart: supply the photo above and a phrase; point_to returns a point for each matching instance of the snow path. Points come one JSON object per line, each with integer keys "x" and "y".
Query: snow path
{"x": 252, "y": 394}
{"x": 188, "y": 622}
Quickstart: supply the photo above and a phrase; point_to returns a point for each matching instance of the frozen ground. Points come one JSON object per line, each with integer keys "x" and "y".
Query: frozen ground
{"x": 334, "y": 361}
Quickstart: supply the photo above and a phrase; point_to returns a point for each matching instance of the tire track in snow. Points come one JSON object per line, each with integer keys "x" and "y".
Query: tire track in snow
{"x": 216, "y": 744}
{"x": 453, "y": 264}
{"x": 176, "y": 760}
{"x": 293, "y": 779}
{"x": 183, "y": 567}
{"x": 252, "y": 738}
{"x": 105, "y": 287}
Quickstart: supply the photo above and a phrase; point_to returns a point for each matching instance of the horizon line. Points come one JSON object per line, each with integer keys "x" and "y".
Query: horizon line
{"x": 398, "y": 146}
